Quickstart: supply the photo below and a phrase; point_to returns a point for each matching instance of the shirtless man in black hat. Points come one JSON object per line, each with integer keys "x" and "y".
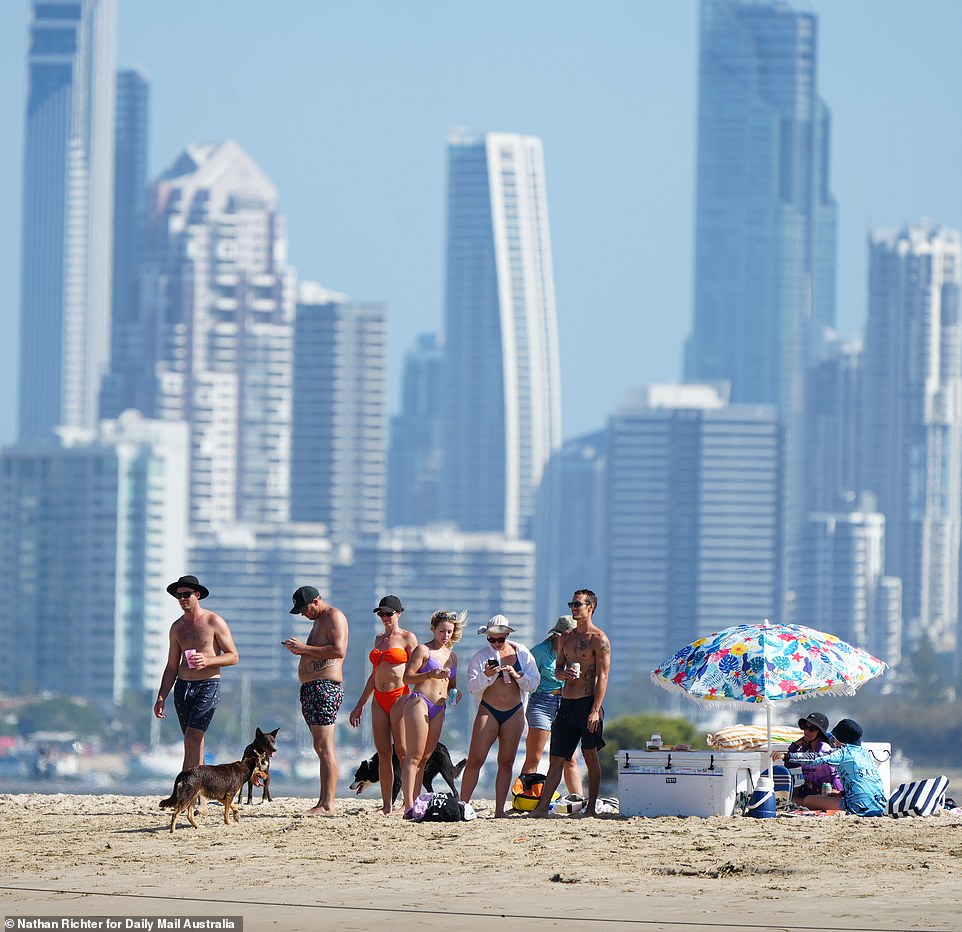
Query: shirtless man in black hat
{"x": 200, "y": 644}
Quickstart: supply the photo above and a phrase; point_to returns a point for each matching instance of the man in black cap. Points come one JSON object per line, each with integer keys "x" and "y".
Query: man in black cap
{"x": 321, "y": 672}
{"x": 200, "y": 644}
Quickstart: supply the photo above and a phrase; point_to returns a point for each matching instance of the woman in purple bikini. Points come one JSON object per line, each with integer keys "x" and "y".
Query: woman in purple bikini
{"x": 500, "y": 676}
{"x": 432, "y": 673}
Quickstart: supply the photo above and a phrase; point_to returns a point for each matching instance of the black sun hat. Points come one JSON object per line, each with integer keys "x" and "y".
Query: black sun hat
{"x": 189, "y": 582}
{"x": 817, "y": 719}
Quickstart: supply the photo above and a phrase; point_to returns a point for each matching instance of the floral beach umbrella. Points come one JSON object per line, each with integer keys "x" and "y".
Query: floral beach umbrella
{"x": 766, "y": 663}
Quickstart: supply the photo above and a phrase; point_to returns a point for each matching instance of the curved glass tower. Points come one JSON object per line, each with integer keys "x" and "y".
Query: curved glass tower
{"x": 501, "y": 382}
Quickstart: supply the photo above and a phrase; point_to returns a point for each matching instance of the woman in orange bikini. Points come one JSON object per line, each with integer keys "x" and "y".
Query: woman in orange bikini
{"x": 392, "y": 648}
{"x": 432, "y": 671}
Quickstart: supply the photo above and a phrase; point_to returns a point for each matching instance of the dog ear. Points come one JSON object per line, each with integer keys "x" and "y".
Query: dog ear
{"x": 258, "y": 733}
{"x": 273, "y": 733}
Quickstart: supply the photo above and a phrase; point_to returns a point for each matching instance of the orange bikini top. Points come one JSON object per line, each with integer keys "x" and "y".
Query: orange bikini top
{"x": 391, "y": 655}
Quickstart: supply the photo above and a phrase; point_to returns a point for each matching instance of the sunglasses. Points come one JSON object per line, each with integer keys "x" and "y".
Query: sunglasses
{"x": 499, "y": 640}
{"x": 183, "y": 595}
{"x": 811, "y": 728}
{"x": 577, "y": 604}
{"x": 386, "y": 614}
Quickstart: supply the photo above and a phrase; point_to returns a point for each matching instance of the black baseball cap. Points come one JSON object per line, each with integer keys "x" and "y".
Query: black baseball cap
{"x": 390, "y": 603}
{"x": 302, "y": 598}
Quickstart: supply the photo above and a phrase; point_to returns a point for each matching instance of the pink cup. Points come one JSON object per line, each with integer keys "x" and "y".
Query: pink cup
{"x": 189, "y": 657}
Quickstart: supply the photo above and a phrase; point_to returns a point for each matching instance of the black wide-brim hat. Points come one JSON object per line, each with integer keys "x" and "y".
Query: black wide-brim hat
{"x": 189, "y": 582}
{"x": 817, "y": 719}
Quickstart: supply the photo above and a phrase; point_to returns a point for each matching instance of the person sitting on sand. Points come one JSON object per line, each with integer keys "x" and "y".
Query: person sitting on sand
{"x": 815, "y": 740}
{"x": 863, "y": 792}
{"x": 499, "y": 676}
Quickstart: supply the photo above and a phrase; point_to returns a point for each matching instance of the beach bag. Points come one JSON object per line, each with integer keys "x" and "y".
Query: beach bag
{"x": 442, "y": 807}
{"x": 918, "y": 798}
{"x": 526, "y": 791}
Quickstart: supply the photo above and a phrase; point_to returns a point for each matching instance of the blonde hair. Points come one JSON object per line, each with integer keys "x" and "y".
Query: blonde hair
{"x": 456, "y": 618}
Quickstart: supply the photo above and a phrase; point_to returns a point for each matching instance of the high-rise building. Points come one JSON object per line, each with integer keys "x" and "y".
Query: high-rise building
{"x": 570, "y": 525}
{"x": 765, "y": 224}
{"x": 68, "y": 179}
{"x": 414, "y": 462}
{"x": 833, "y": 412}
{"x": 502, "y": 395}
{"x": 251, "y": 572}
{"x": 214, "y": 338}
{"x": 92, "y": 529}
{"x": 693, "y": 522}
{"x": 130, "y": 201}
{"x": 911, "y": 453}
{"x": 339, "y": 438}
{"x": 765, "y": 217}
{"x": 844, "y": 589}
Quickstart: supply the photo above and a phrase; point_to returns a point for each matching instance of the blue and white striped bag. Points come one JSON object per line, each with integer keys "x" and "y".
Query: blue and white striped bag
{"x": 918, "y": 798}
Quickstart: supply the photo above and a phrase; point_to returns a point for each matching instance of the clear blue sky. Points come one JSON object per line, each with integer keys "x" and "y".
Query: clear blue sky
{"x": 346, "y": 106}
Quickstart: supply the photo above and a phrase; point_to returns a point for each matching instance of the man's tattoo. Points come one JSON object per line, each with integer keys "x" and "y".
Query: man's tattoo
{"x": 322, "y": 664}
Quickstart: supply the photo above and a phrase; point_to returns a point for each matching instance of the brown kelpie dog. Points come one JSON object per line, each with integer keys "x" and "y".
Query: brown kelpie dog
{"x": 214, "y": 781}
{"x": 266, "y": 743}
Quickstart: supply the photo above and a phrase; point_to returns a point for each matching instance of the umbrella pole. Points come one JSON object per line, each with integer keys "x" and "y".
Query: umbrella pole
{"x": 768, "y": 722}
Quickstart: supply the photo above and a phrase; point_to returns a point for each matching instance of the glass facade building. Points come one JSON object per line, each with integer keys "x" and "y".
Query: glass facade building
{"x": 68, "y": 179}
{"x": 502, "y": 402}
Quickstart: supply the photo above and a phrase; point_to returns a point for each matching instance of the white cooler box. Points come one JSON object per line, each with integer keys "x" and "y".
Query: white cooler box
{"x": 685, "y": 783}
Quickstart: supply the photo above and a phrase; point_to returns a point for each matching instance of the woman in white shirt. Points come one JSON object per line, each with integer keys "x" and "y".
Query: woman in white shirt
{"x": 500, "y": 676}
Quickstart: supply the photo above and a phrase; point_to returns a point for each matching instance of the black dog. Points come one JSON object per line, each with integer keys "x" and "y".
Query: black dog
{"x": 265, "y": 742}
{"x": 438, "y": 764}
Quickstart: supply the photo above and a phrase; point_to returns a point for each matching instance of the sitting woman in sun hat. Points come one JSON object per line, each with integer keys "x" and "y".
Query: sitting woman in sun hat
{"x": 863, "y": 793}
{"x": 815, "y": 740}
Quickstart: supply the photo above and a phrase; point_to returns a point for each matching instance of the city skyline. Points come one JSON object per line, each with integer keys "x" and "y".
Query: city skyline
{"x": 365, "y": 152}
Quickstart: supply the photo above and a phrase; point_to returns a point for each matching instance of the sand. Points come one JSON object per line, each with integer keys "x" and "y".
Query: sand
{"x": 86, "y": 856}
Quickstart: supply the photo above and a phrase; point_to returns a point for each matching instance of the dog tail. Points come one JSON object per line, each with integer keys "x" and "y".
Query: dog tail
{"x": 459, "y": 767}
{"x": 171, "y": 800}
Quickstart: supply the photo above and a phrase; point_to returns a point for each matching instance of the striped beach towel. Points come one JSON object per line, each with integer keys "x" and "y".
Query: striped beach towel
{"x": 918, "y": 798}
{"x": 750, "y": 737}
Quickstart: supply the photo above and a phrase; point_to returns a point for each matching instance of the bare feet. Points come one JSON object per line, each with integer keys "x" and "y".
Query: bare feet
{"x": 538, "y": 814}
{"x": 320, "y": 810}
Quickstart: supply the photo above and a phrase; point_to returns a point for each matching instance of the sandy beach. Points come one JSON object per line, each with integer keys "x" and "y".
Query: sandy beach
{"x": 86, "y": 856}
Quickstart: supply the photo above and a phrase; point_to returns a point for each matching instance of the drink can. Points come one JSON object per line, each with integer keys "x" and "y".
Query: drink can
{"x": 826, "y": 789}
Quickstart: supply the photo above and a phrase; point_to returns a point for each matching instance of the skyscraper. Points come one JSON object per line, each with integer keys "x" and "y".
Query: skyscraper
{"x": 215, "y": 331}
{"x": 693, "y": 518}
{"x": 765, "y": 217}
{"x": 101, "y": 517}
{"x": 843, "y": 586}
{"x": 502, "y": 394}
{"x": 912, "y": 446}
{"x": 339, "y": 436}
{"x": 130, "y": 202}
{"x": 414, "y": 463}
{"x": 67, "y": 215}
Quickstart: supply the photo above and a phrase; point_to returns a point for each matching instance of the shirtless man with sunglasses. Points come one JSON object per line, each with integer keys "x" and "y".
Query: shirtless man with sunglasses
{"x": 580, "y": 718}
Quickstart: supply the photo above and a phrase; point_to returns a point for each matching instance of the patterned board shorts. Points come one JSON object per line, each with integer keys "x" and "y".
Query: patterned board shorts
{"x": 195, "y": 702}
{"x": 320, "y": 700}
